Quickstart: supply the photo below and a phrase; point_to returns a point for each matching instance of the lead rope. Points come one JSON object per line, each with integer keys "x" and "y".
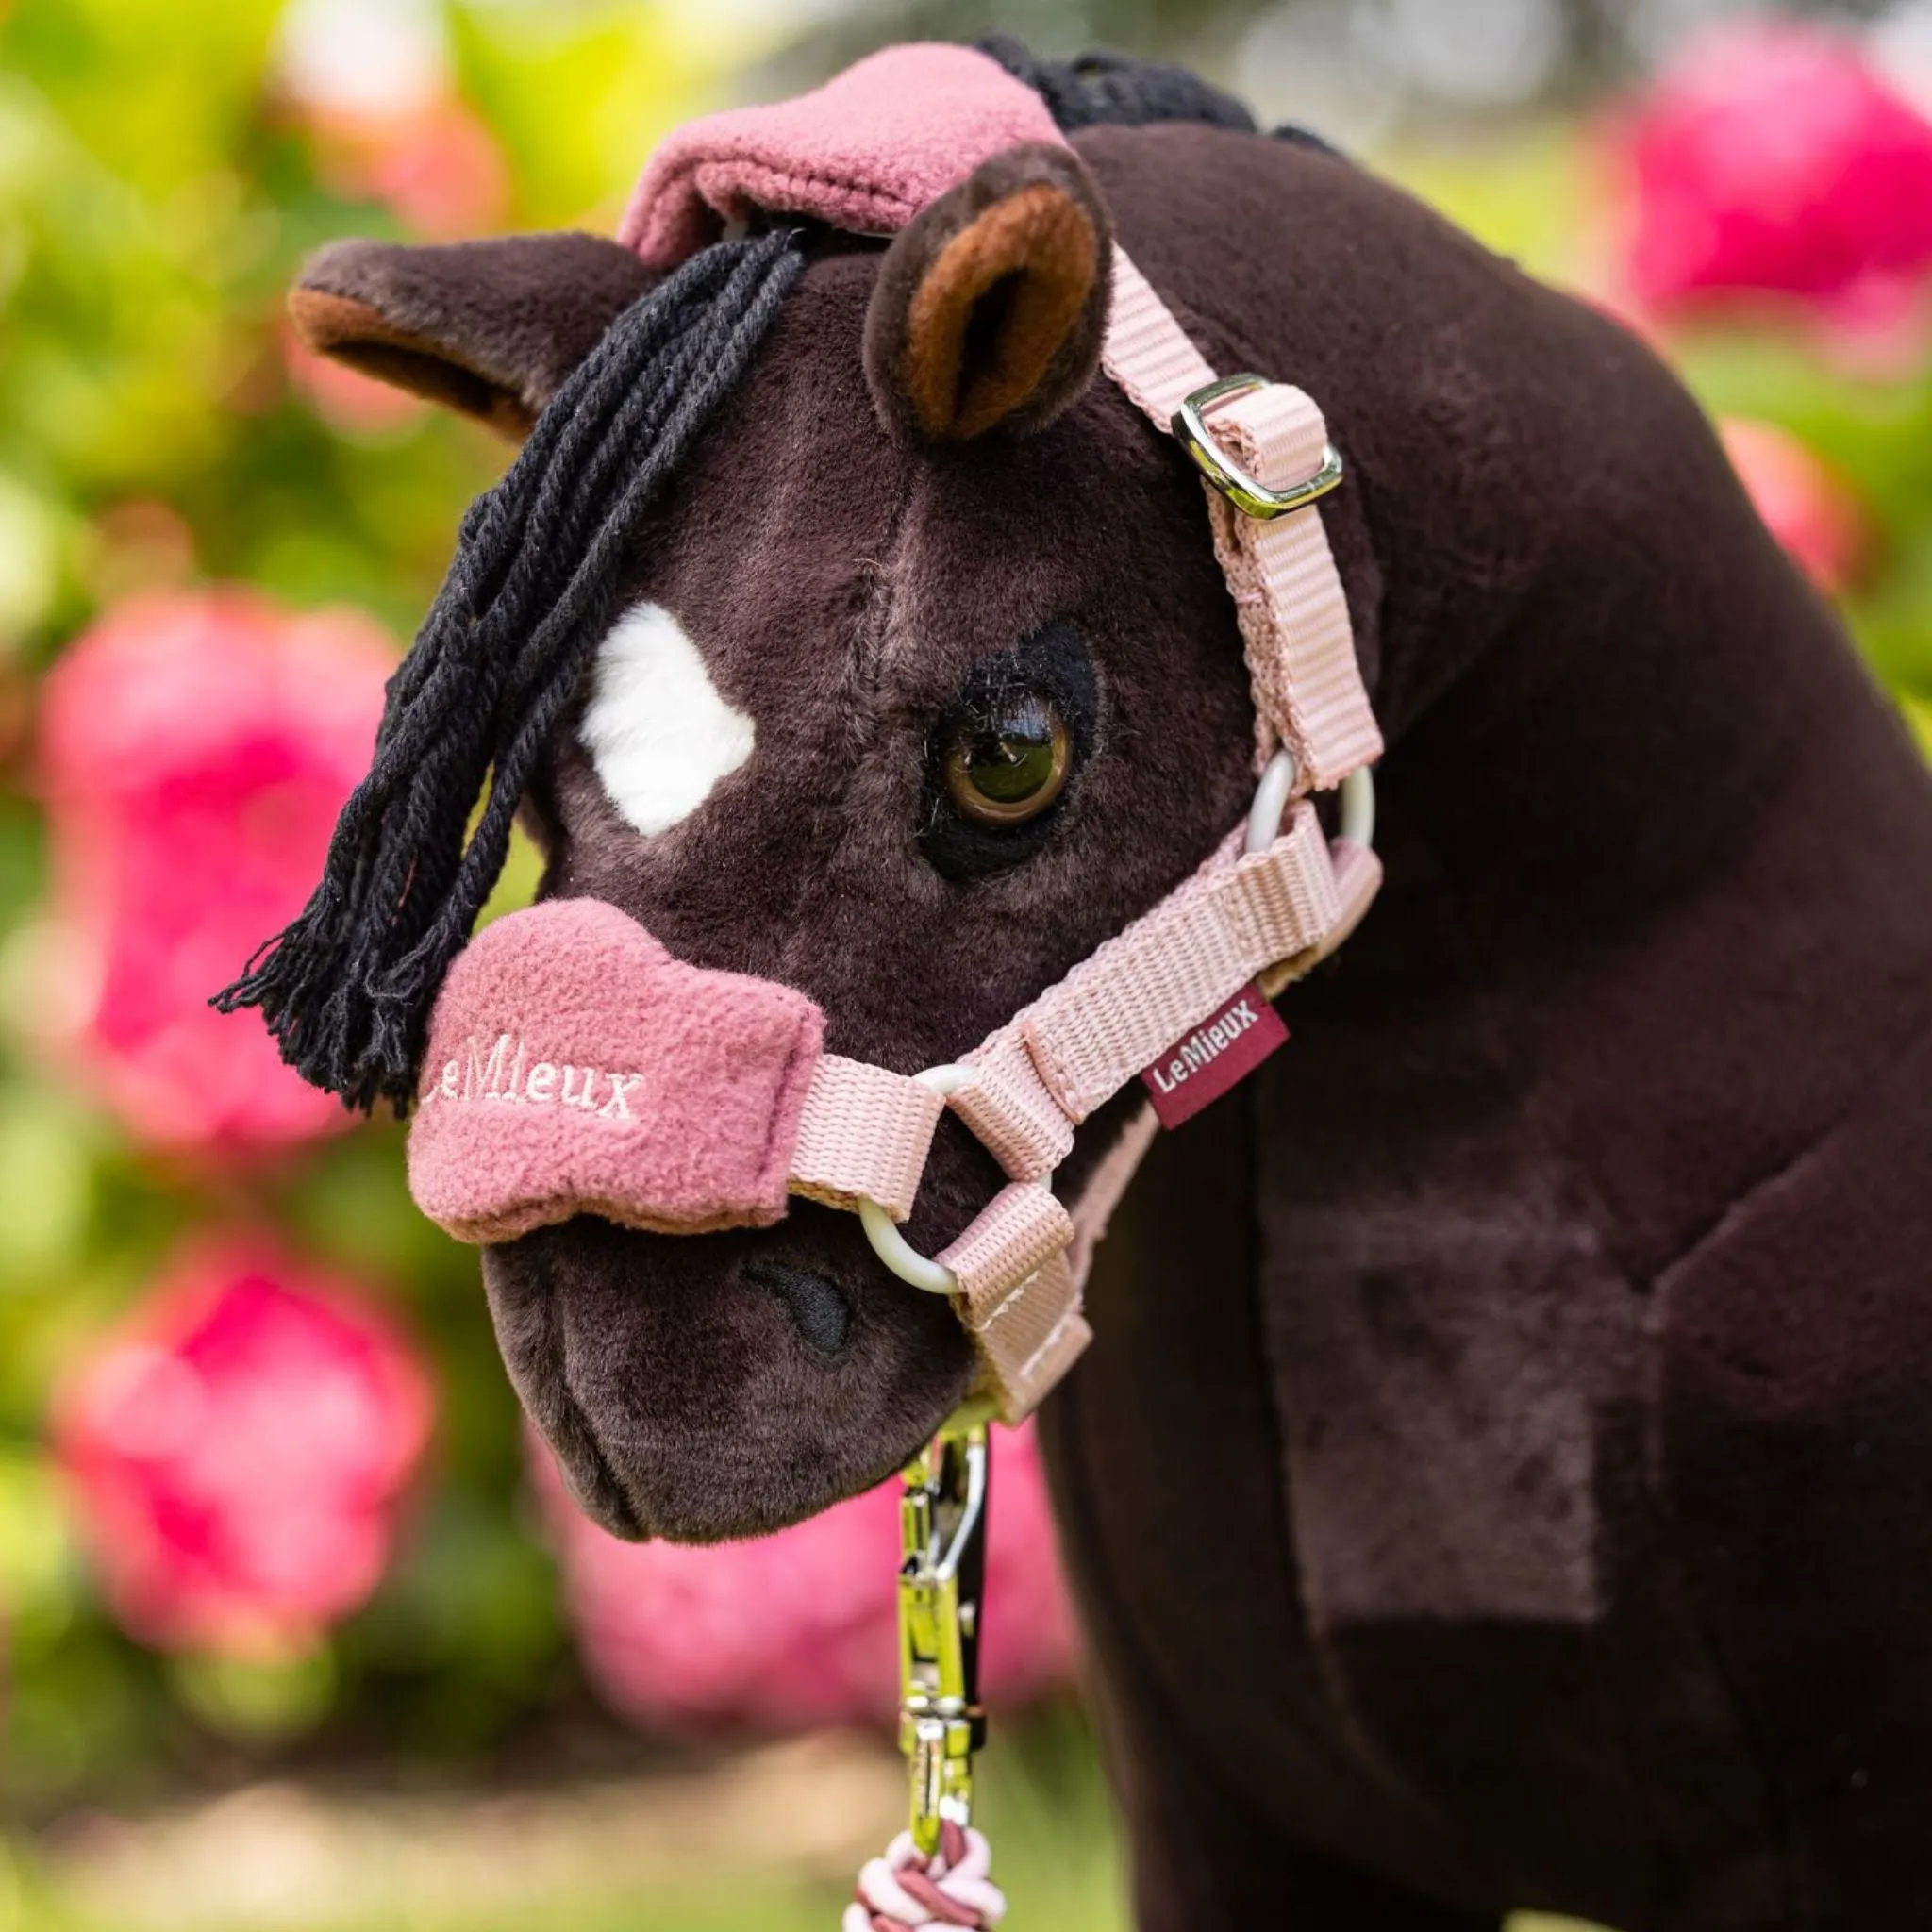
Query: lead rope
{"x": 935, "y": 1873}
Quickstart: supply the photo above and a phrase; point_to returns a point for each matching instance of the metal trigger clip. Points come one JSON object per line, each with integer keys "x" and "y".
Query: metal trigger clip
{"x": 941, "y": 1574}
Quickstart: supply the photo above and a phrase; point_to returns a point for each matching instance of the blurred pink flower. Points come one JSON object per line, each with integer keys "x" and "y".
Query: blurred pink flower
{"x": 436, "y": 167}
{"x": 799, "y": 1629}
{"x": 238, "y": 1451}
{"x": 194, "y": 749}
{"x": 1772, "y": 161}
{"x": 1809, "y": 510}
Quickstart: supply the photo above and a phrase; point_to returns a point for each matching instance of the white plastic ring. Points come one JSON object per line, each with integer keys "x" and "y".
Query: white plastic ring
{"x": 1359, "y": 809}
{"x": 882, "y": 1232}
{"x": 1271, "y": 801}
{"x": 1276, "y": 788}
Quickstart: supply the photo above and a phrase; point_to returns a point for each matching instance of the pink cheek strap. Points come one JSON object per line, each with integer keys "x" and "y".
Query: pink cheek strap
{"x": 574, "y": 1067}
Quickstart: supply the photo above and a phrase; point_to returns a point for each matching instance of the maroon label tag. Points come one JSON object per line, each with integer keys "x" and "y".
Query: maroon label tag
{"x": 1225, "y": 1048}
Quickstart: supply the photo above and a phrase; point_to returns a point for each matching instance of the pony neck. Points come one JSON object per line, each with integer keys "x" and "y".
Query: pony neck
{"x": 1656, "y": 860}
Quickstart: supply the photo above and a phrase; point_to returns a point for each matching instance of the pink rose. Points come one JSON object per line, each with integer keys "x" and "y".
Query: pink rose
{"x": 240, "y": 1450}
{"x": 194, "y": 749}
{"x": 1807, "y": 509}
{"x": 799, "y": 1631}
{"x": 1772, "y": 161}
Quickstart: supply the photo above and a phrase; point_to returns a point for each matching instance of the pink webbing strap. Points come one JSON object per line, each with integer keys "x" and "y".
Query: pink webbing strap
{"x": 1106, "y": 1188}
{"x": 1116, "y": 1011}
{"x": 1358, "y": 879}
{"x": 1008, "y": 1105}
{"x": 1018, "y": 1296}
{"x": 1020, "y": 1232}
{"x": 865, "y": 1132}
{"x": 1281, "y": 572}
{"x": 863, "y": 1136}
{"x": 1029, "y": 1340}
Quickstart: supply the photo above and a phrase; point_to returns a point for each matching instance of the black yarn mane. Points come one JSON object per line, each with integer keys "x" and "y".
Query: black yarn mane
{"x": 1100, "y": 89}
{"x": 346, "y": 989}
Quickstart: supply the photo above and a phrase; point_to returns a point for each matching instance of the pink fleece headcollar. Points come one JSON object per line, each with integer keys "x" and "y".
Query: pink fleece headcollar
{"x": 576, "y": 1067}
{"x": 865, "y": 153}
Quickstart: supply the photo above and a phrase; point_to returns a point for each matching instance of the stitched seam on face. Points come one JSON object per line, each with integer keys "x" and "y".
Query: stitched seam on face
{"x": 879, "y": 579}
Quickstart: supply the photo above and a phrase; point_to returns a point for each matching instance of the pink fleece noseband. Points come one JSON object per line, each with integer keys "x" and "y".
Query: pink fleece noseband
{"x": 574, "y": 1066}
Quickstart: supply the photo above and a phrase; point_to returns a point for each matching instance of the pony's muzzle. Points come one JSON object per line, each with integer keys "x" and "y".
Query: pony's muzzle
{"x": 576, "y": 1067}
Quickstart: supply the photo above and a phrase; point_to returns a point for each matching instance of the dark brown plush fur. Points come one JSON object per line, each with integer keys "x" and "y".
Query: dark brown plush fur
{"x": 1503, "y": 1472}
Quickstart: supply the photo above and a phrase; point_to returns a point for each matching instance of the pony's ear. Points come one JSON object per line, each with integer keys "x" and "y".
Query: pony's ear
{"x": 490, "y": 328}
{"x": 990, "y": 306}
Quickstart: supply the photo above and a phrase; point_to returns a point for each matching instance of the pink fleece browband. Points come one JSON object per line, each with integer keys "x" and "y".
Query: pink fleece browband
{"x": 576, "y": 1067}
{"x": 865, "y": 153}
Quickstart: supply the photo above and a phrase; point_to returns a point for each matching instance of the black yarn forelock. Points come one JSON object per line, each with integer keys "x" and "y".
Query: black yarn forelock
{"x": 347, "y": 986}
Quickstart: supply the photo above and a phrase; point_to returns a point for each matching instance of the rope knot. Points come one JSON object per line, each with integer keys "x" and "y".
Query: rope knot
{"x": 906, "y": 1888}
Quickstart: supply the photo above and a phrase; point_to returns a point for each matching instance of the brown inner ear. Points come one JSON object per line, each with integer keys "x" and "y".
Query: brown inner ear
{"x": 993, "y": 310}
{"x": 359, "y": 335}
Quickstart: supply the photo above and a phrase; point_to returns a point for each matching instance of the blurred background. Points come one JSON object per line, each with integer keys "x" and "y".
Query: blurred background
{"x": 298, "y": 1630}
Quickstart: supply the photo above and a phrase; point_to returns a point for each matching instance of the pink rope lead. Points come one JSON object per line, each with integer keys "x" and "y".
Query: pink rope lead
{"x": 906, "y": 1888}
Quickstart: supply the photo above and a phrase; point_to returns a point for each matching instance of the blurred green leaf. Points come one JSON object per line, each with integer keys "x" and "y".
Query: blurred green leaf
{"x": 257, "y": 1703}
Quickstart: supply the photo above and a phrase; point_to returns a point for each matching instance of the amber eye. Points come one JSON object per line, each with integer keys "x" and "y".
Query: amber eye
{"x": 1007, "y": 768}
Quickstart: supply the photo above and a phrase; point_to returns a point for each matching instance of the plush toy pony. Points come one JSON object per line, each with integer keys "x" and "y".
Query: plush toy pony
{"x": 1502, "y": 1471}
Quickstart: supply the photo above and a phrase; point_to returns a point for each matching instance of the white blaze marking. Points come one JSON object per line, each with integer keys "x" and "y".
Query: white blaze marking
{"x": 657, "y": 729}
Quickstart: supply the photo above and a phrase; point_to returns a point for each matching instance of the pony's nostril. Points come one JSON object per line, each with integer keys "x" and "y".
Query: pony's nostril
{"x": 818, "y": 1305}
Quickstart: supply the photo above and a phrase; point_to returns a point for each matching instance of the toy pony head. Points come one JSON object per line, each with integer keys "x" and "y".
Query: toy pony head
{"x": 861, "y": 662}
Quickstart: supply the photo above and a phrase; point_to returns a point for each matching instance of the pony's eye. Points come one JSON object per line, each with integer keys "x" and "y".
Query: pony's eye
{"x": 1007, "y": 767}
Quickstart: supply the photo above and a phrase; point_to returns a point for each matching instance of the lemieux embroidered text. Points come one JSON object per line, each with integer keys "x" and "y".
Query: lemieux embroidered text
{"x": 508, "y": 1072}
{"x": 1225, "y": 1048}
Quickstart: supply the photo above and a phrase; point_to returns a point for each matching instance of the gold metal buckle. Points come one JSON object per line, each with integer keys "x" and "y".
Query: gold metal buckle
{"x": 1251, "y": 498}
{"x": 943, "y": 1524}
